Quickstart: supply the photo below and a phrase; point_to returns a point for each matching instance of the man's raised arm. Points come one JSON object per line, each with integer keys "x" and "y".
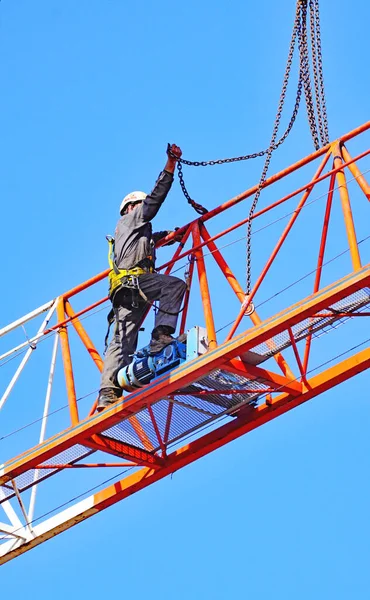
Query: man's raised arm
{"x": 153, "y": 201}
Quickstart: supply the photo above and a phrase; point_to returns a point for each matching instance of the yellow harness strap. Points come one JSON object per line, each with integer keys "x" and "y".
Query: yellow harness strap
{"x": 116, "y": 275}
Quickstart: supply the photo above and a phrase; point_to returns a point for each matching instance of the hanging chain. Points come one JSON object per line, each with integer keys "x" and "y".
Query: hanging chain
{"x": 221, "y": 161}
{"x": 318, "y": 71}
{"x": 273, "y": 145}
{"x": 319, "y": 133}
{"x": 315, "y": 69}
{"x": 305, "y": 69}
{"x": 297, "y": 32}
{"x": 197, "y": 207}
{"x": 300, "y": 32}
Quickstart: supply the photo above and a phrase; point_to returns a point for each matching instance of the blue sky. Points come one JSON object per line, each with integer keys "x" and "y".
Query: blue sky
{"x": 91, "y": 94}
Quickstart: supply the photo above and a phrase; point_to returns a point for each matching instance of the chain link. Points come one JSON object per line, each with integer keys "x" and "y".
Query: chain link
{"x": 197, "y": 207}
{"x": 305, "y": 69}
{"x": 319, "y": 130}
{"x": 297, "y": 27}
{"x": 320, "y": 94}
{"x": 315, "y": 69}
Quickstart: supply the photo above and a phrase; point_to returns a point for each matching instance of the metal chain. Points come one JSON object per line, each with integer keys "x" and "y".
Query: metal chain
{"x": 304, "y": 83}
{"x": 324, "y": 116}
{"x": 203, "y": 163}
{"x": 268, "y": 151}
{"x": 305, "y": 68}
{"x": 197, "y": 207}
{"x": 295, "y": 34}
{"x": 315, "y": 69}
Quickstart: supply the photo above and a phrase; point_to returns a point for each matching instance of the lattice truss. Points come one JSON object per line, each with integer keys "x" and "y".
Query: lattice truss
{"x": 259, "y": 362}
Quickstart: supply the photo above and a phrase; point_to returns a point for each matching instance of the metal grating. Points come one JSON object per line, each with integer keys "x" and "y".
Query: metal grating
{"x": 33, "y": 476}
{"x": 356, "y": 302}
{"x": 215, "y": 395}
{"x": 192, "y": 407}
{"x": 202, "y": 401}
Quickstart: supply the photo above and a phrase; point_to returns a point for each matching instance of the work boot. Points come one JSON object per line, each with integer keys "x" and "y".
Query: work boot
{"x": 107, "y": 397}
{"x": 161, "y": 337}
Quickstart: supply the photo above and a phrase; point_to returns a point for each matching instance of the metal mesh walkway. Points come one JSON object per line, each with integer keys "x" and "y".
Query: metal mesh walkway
{"x": 217, "y": 394}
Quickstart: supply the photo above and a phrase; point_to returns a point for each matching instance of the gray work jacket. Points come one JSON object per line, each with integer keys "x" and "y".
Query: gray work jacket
{"x": 134, "y": 240}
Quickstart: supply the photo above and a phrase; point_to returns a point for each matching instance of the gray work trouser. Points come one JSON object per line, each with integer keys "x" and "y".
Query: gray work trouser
{"x": 165, "y": 288}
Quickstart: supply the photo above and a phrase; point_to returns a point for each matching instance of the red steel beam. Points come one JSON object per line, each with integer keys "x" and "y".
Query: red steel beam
{"x": 346, "y": 207}
{"x": 191, "y": 452}
{"x": 279, "y": 244}
{"x": 273, "y": 205}
{"x": 185, "y": 374}
{"x": 86, "y": 465}
{"x": 67, "y": 363}
{"x": 240, "y": 294}
{"x": 356, "y": 172}
{"x": 204, "y": 290}
{"x": 85, "y": 339}
{"x": 320, "y": 261}
{"x": 125, "y": 451}
{"x": 236, "y": 199}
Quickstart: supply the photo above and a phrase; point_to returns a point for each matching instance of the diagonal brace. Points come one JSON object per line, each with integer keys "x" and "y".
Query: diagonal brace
{"x": 274, "y": 380}
{"x": 125, "y": 451}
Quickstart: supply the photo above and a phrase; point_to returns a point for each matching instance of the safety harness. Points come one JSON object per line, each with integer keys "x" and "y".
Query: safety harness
{"x": 124, "y": 279}
{"x": 124, "y": 289}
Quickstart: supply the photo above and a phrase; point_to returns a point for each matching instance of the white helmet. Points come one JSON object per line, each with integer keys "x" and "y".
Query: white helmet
{"x": 132, "y": 198}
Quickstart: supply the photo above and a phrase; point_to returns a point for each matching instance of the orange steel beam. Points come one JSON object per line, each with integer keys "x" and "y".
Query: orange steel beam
{"x": 164, "y": 242}
{"x": 346, "y": 207}
{"x": 156, "y": 429}
{"x": 236, "y": 199}
{"x": 187, "y": 295}
{"x": 297, "y": 356}
{"x": 279, "y": 244}
{"x": 284, "y": 172}
{"x": 187, "y": 228}
{"x": 168, "y": 423}
{"x": 116, "y": 448}
{"x": 191, "y": 452}
{"x": 76, "y": 315}
{"x": 84, "y": 336}
{"x": 324, "y": 235}
{"x": 271, "y": 206}
{"x": 356, "y": 172}
{"x": 274, "y": 380}
{"x": 184, "y": 374}
{"x": 228, "y": 391}
{"x": 86, "y": 465}
{"x": 91, "y": 431}
{"x": 67, "y": 363}
{"x": 204, "y": 291}
{"x": 99, "y": 363}
{"x": 236, "y": 287}
{"x": 340, "y": 315}
{"x": 320, "y": 261}
{"x": 224, "y": 267}
{"x": 140, "y": 432}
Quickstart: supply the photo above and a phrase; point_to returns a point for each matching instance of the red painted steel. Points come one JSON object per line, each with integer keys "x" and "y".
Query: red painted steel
{"x": 152, "y": 428}
{"x": 168, "y": 384}
{"x": 196, "y": 450}
{"x": 204, "y": 290}
{"x": 67, "y": 362}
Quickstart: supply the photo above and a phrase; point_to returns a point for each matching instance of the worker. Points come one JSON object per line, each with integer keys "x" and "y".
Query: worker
{"x": 134, "y": 254}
